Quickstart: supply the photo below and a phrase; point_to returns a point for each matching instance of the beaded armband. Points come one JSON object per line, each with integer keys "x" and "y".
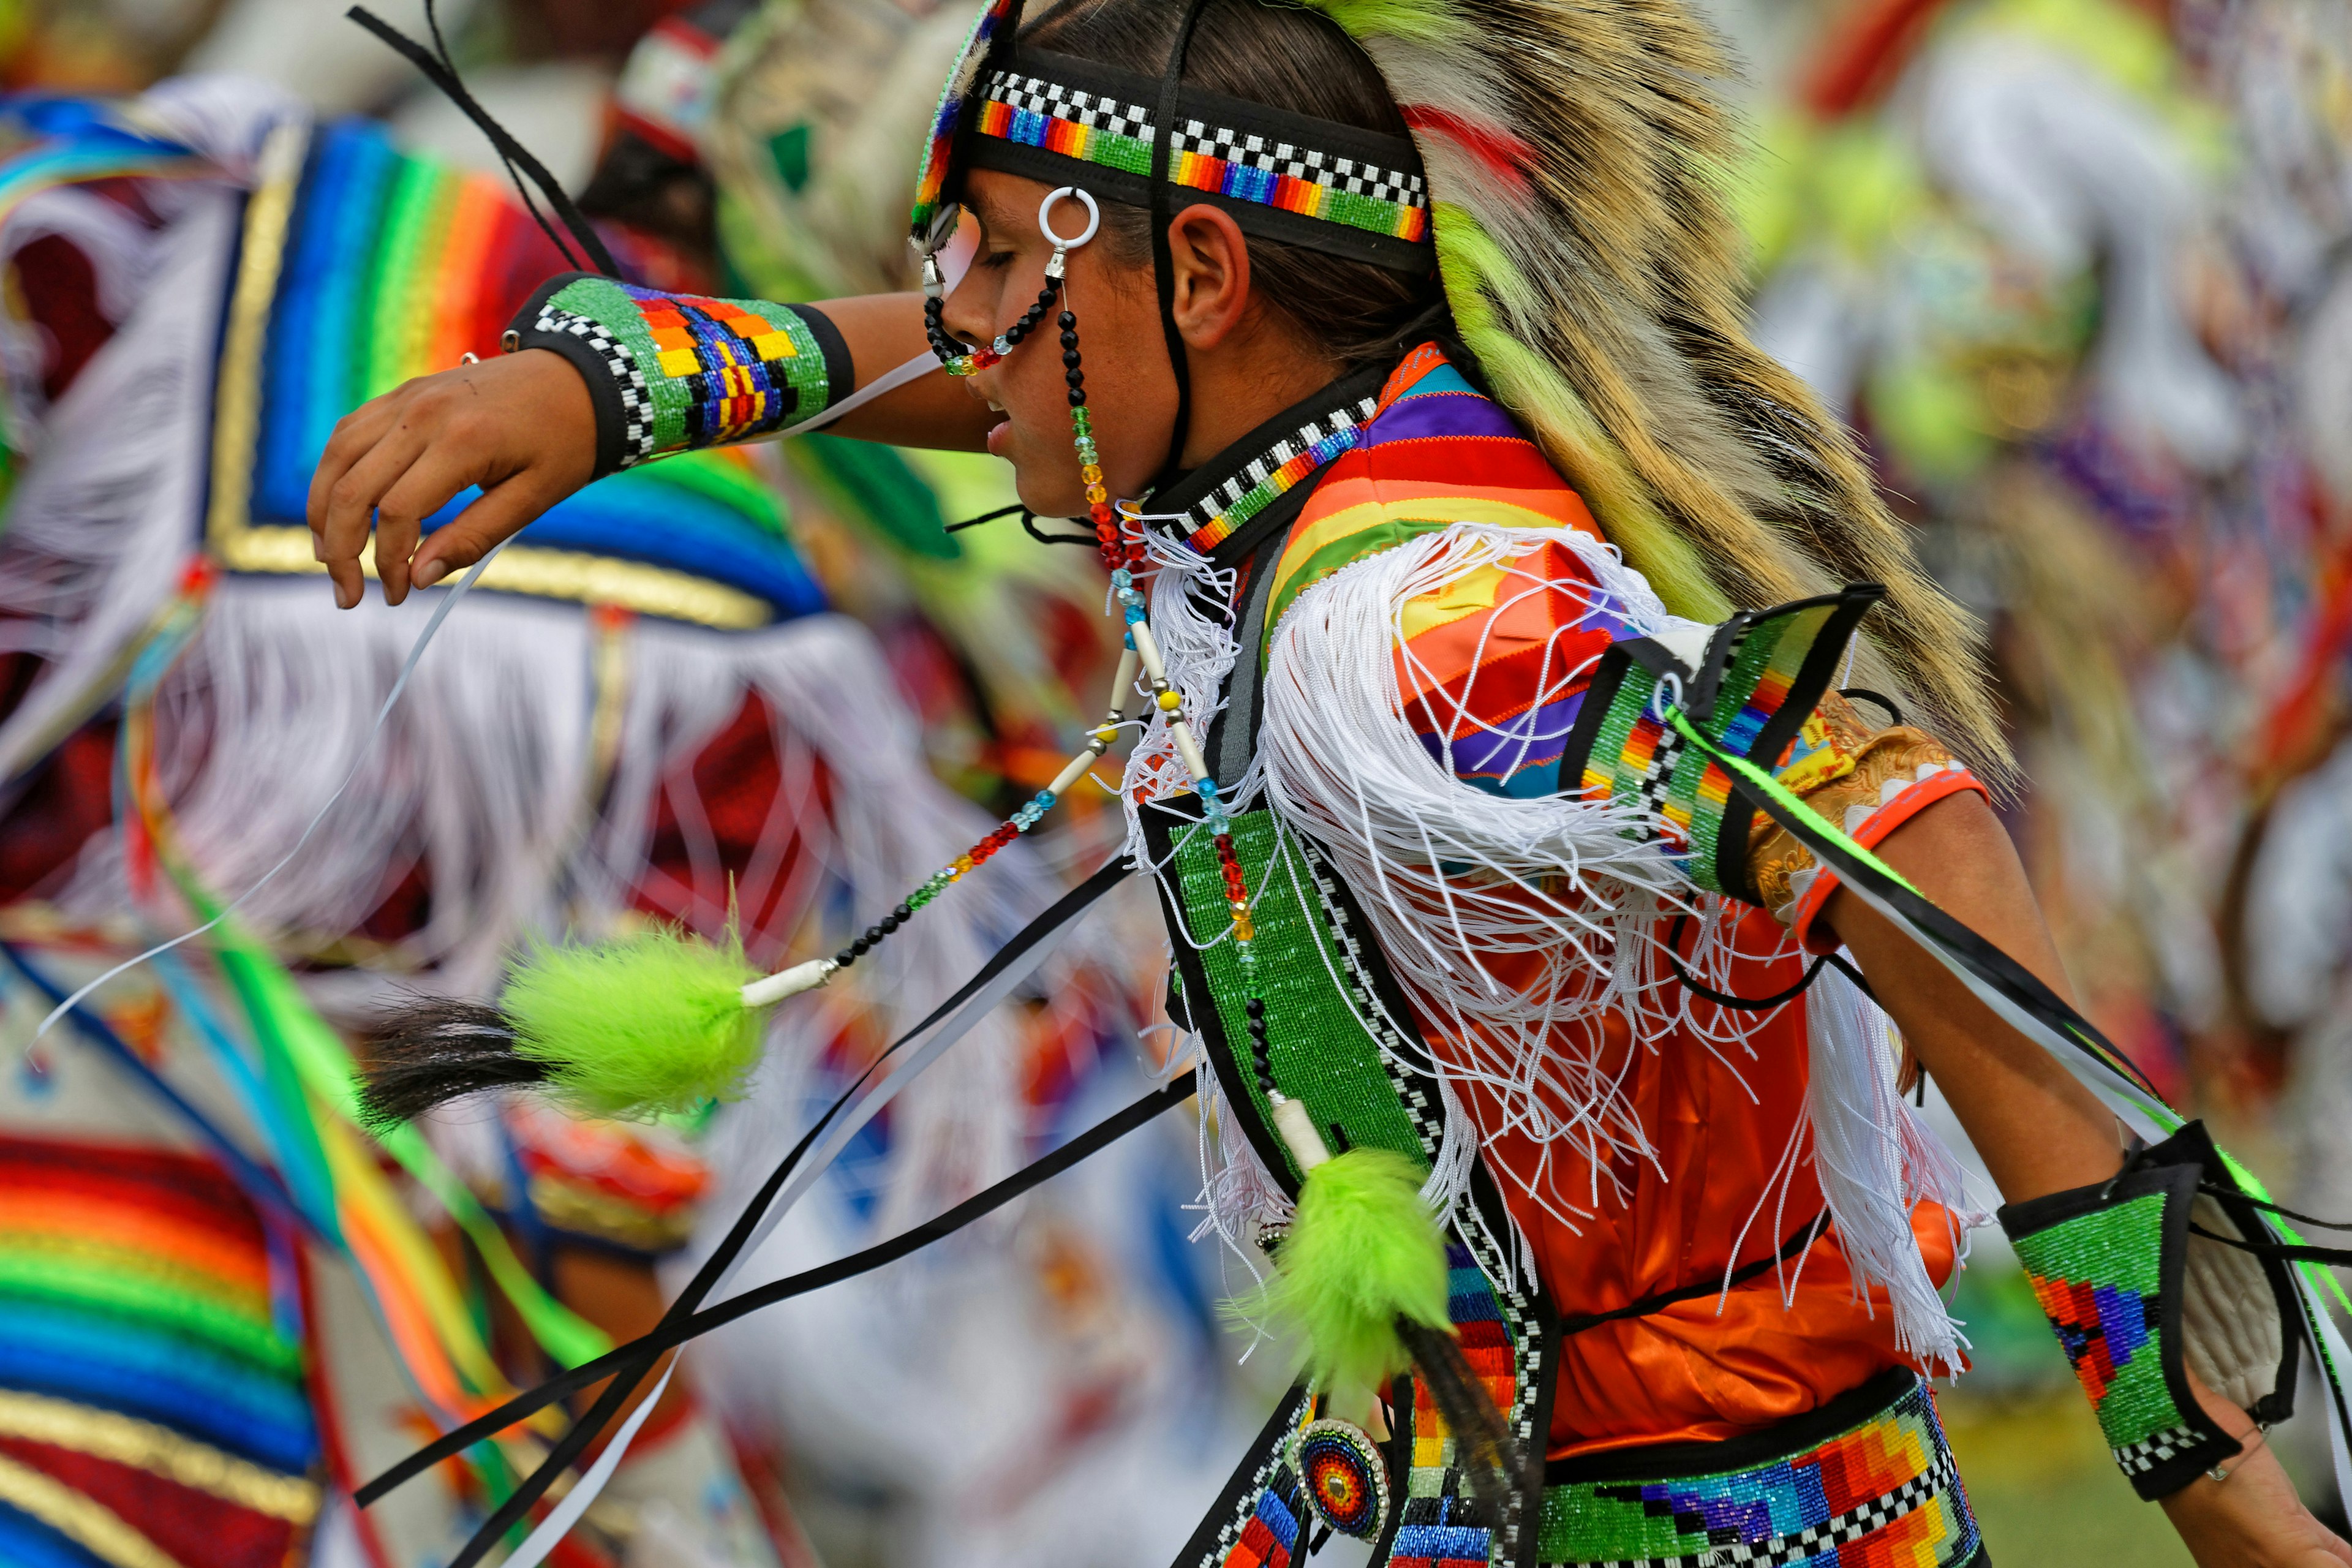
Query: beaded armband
{"x": 2137, "y": 1298}
{"x": 672, "y": 373}
{"x": 1749, "y": 683}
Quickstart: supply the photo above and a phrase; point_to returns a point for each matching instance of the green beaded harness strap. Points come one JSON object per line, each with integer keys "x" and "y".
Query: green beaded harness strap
{"x": 1335, "y": 1013}
{"x": 2108, "y": 1263}
{"x": 1749, "y": 687}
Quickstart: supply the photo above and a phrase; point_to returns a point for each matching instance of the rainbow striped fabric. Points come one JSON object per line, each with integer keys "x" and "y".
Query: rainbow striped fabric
{"x": 1249, "y": 166}
{"x": 396, "y": 265}
{"x": 152, "y": 1407}
{"x": 1493, "y": 669}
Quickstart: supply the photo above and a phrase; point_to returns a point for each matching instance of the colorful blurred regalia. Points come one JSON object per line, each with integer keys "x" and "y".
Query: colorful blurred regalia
{"x": 777, "y": 137}
{"x": 647, "y": 714}
{"x": 2075, "y": 273}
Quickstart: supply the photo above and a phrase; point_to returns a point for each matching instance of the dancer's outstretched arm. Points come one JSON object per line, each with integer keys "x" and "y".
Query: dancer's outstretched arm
{"x": 522, "y": 427}
{"x": 2042, "y": 1131}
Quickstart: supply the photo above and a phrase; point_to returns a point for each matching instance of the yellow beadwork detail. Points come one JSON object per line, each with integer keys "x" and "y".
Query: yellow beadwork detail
{"x": 1169, "y": 701}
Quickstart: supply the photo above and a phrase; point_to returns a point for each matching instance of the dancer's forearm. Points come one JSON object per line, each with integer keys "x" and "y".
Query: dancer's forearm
{"x": 2038, "y": 1129}
{"x": 884, "y": 331}
{"x": 526, "y": 428}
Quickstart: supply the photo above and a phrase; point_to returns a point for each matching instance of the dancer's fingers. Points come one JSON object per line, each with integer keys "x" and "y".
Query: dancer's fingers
{"x": 400, "y": 516}
{"x": 351, "y": 500}
{"x": 501, "y": 511}
{"x": 355, "y": 434}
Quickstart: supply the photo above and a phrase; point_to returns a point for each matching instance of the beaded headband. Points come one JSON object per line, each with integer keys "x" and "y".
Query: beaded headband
{"x": 1287, "y": 177}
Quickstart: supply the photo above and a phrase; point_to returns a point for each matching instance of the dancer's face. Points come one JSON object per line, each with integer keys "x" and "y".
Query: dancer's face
{"x": 1131, "y": 387}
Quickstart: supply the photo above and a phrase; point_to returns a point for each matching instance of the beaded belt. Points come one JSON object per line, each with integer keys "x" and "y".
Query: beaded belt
{"x": 1866, "y": 1481}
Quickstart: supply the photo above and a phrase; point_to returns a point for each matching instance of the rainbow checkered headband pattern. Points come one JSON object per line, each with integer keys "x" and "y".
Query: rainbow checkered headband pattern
{"x": 1228, "y": 160}
{"x": 1338, "y": 189}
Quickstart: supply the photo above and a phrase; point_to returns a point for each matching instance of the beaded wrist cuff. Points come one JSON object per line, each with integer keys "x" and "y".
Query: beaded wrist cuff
{"x": 2111, "y": 1265}
{"x": 1749, "y": 685}
{"x": 674, "y": 373}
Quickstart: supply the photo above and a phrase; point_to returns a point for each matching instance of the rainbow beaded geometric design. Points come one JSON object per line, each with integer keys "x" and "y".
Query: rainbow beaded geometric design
{"x": 1332, "y": 1043}
{"x": 1268, "y": 477}
{"x": 710, "y": 371}
{"x": 1882, "y": 1494}
{"x": 1255, "y": 1523}
{"x": 1092, "y": 128}
{"x": 1443, "y": 1525}
{"x": 2099, "y": 1277}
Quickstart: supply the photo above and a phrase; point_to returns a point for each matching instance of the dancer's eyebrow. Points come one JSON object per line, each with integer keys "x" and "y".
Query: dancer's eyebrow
{"x": 996, "y": 220}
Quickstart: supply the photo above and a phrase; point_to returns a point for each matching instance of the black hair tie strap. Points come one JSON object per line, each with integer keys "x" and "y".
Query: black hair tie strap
{"x": 515, "y": 153}
{"x": 990, "y": 517}
{"x": 1741, "y": 1003}
{"x": 1029, "y": 526}
{"x": 1865, "y": 694}
{"x": 1163, "y": 256}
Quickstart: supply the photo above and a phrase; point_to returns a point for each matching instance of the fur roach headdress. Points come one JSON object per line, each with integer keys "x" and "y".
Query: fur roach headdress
{"x": 1573, "y": 158}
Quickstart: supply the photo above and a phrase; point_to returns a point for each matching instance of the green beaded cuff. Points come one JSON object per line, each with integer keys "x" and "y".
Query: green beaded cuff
{"x": 673, "y": 373}
{"x": 1749, "y": 684}
{"x": 2112, "y": 1265}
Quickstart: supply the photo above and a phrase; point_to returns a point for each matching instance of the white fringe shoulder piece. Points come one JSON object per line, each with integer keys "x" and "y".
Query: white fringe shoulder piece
{"x": 1461, "y": 885}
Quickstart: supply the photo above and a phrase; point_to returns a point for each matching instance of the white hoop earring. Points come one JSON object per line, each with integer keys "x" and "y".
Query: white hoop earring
{"x": 1046, "y": 217}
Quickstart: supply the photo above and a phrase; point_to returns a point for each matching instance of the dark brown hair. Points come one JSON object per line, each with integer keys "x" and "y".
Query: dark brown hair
{"x": 1287, "y": 56}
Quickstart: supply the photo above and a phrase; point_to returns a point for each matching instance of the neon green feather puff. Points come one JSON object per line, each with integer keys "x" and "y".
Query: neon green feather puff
{"x": 653, "y": 1024}
{"x": 1363, "y": 1252}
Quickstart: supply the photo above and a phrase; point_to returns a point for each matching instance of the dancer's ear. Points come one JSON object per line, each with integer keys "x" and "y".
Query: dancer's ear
{"x": 1212, "y": 274}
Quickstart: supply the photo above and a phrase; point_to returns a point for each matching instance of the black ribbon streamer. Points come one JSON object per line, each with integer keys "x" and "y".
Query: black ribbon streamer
{"x": 1724, "y": 999}
{"x": 678, "y": 1328}
{"x": 630, "y": 1364}
{"x": 514, "y": 152}
{"x": 1989, "y": 963}
{"x": 2294, "y": 1252}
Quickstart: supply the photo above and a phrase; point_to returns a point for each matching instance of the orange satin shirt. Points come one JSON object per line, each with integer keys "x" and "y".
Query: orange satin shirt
{"x": 1716, "y": 1367}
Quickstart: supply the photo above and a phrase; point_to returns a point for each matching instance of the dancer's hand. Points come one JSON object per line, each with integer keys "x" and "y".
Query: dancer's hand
{"x": 520, "y": 425}
{"x": 2252, "y": 1518}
